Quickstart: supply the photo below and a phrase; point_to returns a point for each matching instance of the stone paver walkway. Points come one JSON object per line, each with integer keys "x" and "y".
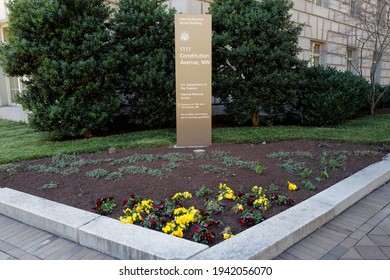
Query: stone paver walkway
{"x": 362, "y": 232}
{"x": 22, "y": 242}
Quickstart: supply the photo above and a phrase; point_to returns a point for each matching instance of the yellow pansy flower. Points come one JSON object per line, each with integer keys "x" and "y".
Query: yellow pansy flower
{"x": 291, "y": 186}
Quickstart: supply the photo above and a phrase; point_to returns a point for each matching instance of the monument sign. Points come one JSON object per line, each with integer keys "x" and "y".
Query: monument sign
{"x": 193, "y": 80}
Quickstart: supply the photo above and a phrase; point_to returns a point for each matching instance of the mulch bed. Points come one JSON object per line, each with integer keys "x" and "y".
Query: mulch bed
{"x": 159, "y": 173}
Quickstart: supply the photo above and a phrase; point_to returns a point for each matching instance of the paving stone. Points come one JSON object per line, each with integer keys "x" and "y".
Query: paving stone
{"x": 286, "y": 256}
{"x": 70, "y": 253}
{"x": 321, "y": 241}
{"x": 80, "y": 255}
{"x": 366, "y": 228}
{"x": 378, "y": 217}
{"x": 20, "y": 236}
{"x": 41, "y": 242}
{"x": 50, "y": 248}
{"x": 303, "y": 253}
{"x": 313, "y": 246}
{"x": 385, "y": 225}
{"x": 371, "y": 253}
{"x": 29, "y": 257}
{"x": 31, "y": 238}
{"x": 338, "y": 228}
{"x": 18, "y": 254}
{"x": 4, "y": 256}
{"x": 339, "y": 251}
{"x": 378, "y": 230}
{"x": 352, "y": 254}
{"x": 332, "y": 234}
{"x": 357, "y": 218}
{"x": 365, "y": 241}
{"x": 329, "y": 257}
{"x": 5, "y": 246}
{"x": 10, "y": 230}
{"x": 380, "y": 239}
{"x": 347, "y": 227}
{"x": 65, "y": 247}
{"x": 351, "y": 218}
{"x": 385, "y": 250}
{"x": 349, "y": 242}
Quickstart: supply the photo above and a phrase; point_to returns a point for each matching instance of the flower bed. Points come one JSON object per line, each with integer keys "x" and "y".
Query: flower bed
{"x": 176, "y": 216}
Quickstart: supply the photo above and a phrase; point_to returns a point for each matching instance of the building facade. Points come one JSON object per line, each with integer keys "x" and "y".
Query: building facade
{"x": 330, "y": 36}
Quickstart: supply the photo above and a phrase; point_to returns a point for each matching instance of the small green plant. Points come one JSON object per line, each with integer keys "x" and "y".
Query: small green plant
{"x": 208, "y": 168}
{"x": 279, "y": 155}
{"x": 308, "y": 185}
{"x": 366, "y": 153}
{"x": 323, "y": 157}
{"x": 70, "y": 171}
{"x": 338, "y": 162}
{"x": 114, "y": 176}
{"x": 292, "y": 166}
{"x": 250, "y": 218}
{"x": 303, "y": 154}
{"x": 214, "y": 206}
{"x": 324, "y": 174}
{"x": 155, "y": 172}
{"x": 64, "y": 160}
{"x": 50, "y": 185}
{"x": 282, "y": 199}
{"x": 105, "y": 205}
{"x": 259, "y": 169}
{"x": 9, "y": 167}
{"x": 97, "y": 173}
{"x": 203, "y": 191}
{"x": 306, "y": 173}
{"x": 273, "y": 187}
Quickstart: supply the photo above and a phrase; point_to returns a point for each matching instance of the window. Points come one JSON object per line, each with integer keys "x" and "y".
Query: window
{"x": 16, "y": 86}
{"x": 5, "y": 34}
{"x": 352, "y": 8}
{"x": 13, "y": 88}
{"x": 317, "y": 2}
{"x": 315, "y": 49}
{"x": 349, "y": 59}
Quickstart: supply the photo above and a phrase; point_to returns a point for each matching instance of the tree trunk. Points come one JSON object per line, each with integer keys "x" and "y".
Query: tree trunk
{"x": 256, "y": 119}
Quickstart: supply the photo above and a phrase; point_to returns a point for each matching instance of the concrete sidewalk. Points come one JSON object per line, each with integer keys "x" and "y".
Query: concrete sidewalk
{"x": 19, "y": 241}
{"x": 362, "y": 232}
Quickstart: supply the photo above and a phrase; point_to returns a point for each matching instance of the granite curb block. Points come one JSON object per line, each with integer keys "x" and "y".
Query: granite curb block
{"x": 271, "y": 237}
{"x": 263, "y": 241}
{"x": 94, "y": 231}
{"x": 56, "y": 218}
{"x": 133, "y": 242}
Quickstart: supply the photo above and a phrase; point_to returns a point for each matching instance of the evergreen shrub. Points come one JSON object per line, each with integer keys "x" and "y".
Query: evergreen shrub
{"x": 329, "y": 96}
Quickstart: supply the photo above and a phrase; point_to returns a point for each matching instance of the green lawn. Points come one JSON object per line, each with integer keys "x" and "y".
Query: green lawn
{"x": 19, "y": 142}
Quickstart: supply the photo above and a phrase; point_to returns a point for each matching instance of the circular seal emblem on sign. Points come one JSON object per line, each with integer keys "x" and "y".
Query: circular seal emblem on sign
{"x": 184, "y": 36}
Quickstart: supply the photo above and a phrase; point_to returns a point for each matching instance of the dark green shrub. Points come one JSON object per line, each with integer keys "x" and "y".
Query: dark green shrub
{"x": 329, "y": 96}
{"x": 255, "y": 64}
{"x": 144, "y": 31}
{"x": 63, "y": 49}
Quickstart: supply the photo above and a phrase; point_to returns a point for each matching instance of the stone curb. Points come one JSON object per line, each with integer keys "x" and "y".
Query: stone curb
{"x": 263, "y": 241}
{"x": 271, "y": 237}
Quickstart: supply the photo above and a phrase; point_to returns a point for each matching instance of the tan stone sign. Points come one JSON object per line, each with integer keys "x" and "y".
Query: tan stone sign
{"x": 193, "y": 80}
